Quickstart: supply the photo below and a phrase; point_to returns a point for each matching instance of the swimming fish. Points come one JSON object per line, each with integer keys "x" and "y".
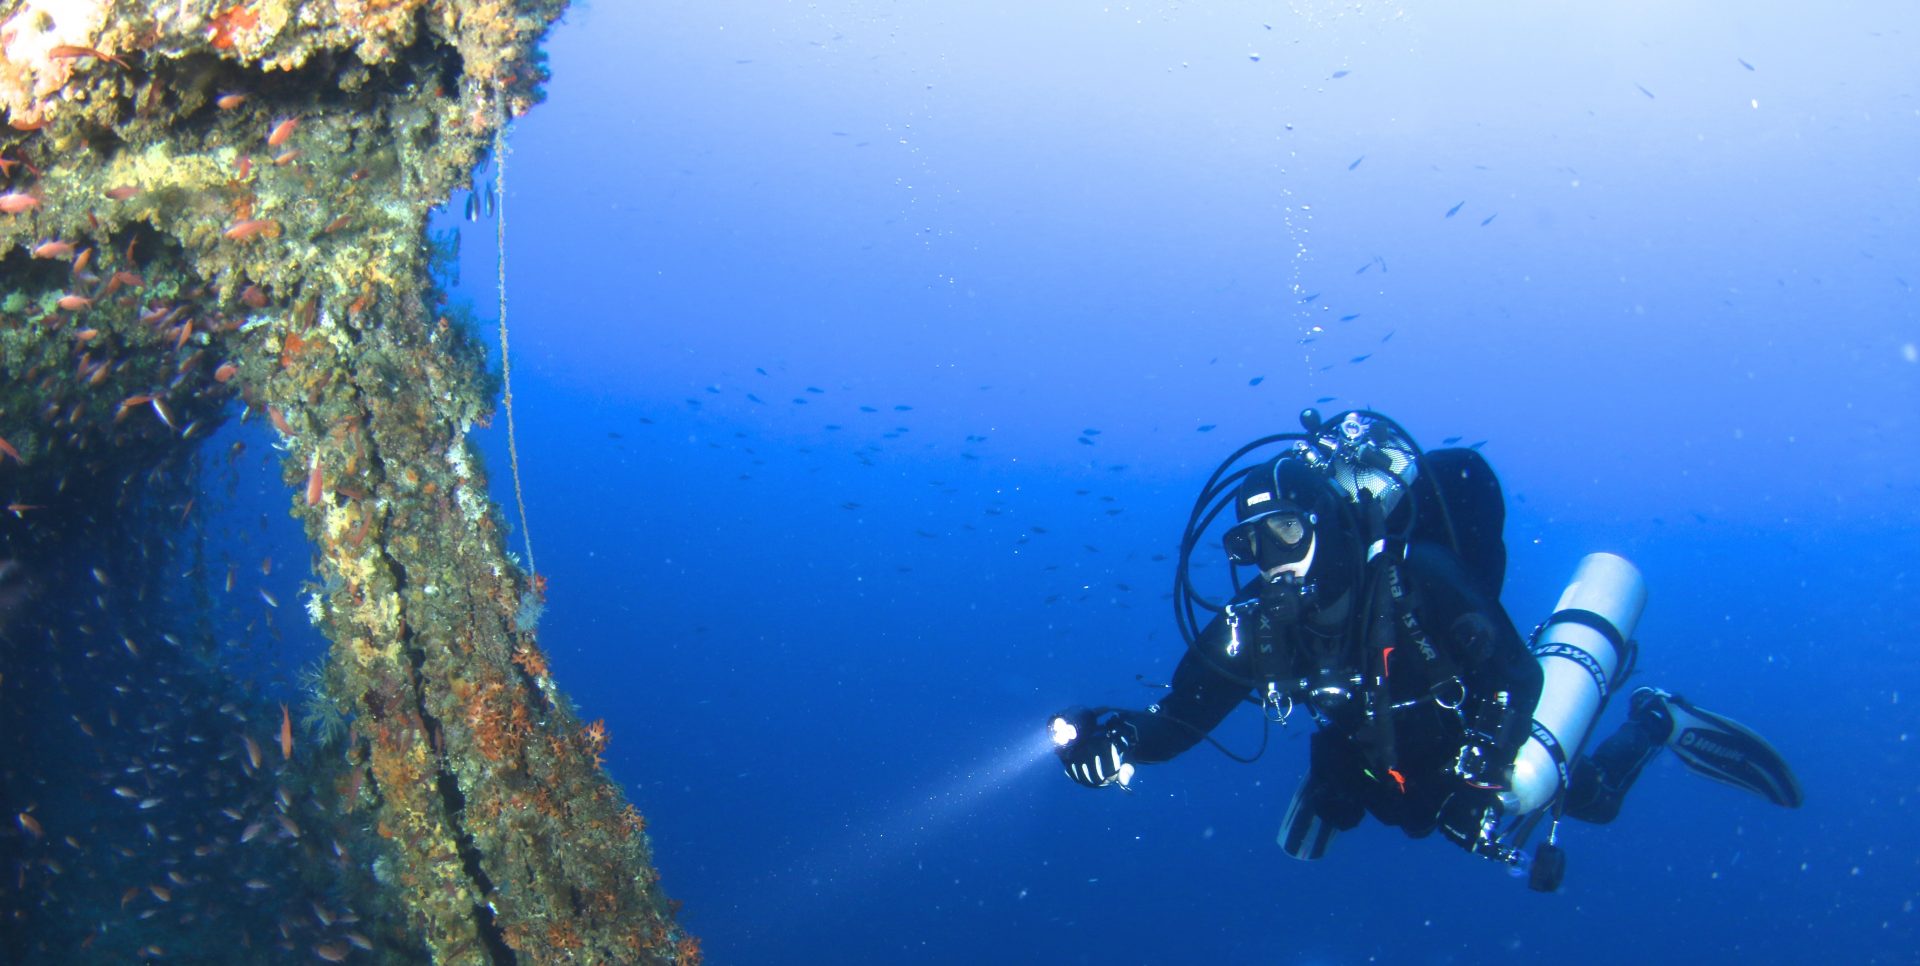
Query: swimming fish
{"x": 1349, "y": 318}
{"x": 1645, "y": 91}
{"x": 1484, "y": 222}
{"x": 1356, "y": 162}
{"x": 1340, "y": 73}
{"x": 1743, "y": 63}
{"x": 1256, "y": 380}
{"x": 1450, "y": 213}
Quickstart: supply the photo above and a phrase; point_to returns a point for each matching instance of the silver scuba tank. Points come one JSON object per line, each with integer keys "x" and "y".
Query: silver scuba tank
{"x": 1579, "y": 649}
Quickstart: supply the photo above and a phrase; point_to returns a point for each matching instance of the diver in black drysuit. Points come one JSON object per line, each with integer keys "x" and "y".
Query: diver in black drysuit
{"x": 1406, "y": 659}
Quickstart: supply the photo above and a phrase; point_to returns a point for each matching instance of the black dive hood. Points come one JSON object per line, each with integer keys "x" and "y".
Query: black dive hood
{"x": 1353, "y": 472}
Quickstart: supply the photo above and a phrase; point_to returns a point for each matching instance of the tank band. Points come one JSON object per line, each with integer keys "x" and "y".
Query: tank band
{"x": 1587, "y": 618}
{"x": 1579, "y": 655}
{"x": 1554, "y": 751}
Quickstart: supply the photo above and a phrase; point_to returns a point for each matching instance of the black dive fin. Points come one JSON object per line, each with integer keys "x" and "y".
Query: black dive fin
{"x": 1304, "y": 834}
{"x": 1725, "y": 750}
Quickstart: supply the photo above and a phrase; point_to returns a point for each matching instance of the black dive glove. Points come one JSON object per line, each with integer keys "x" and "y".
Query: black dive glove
{"x": 1093, "y": 746}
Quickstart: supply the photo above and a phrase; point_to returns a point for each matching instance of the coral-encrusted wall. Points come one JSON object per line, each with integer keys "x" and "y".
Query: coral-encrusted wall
{"x": 210, "y": 206}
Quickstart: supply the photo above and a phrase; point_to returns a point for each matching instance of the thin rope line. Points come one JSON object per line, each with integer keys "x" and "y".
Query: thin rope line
{"x": 506, "y": 364}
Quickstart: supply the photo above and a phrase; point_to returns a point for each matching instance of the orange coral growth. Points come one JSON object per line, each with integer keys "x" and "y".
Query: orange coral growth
{"x": 595, "y": 735}
{"x": 687, "y": 950}
{"x": 228, "y": 22}
{"x": 530, "y": 660}
{"x": 560, "y": 935}
{"x": 498, "y": 722}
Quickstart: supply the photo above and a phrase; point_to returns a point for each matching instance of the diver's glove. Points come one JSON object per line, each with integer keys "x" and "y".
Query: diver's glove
{"x": 1092, "y": 745}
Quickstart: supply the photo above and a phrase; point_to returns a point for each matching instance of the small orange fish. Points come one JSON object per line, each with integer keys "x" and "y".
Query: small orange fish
{"x": 281, "y": 132}
{"x": 314, "y": 488}
{"x": 286, "y": 156}
{"x": 243, "y": 230}
{"x": 15, "y": 202}
{"x": 253, "y": 753}
{"x": 53, "y": 249}
{"x": 335, "y": 225}
{"x": 74, "y": 303}
{"x": 6, "y": 449}
{"x": 123, "y": 192}
{"x": 82, "y": 260}
{"x": 286, "y": 733}
{"x": 228, "y": 102}
{"x": 31, "y": 825}
{"x": 124, "y": 280}
{"x": 225, "y": 372}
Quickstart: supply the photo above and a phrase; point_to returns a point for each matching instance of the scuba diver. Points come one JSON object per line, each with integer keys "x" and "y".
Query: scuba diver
{"x": 1372, "y": 606}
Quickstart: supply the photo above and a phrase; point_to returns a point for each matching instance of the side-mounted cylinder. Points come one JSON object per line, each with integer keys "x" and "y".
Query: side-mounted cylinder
{"x": 1580, "y": 649}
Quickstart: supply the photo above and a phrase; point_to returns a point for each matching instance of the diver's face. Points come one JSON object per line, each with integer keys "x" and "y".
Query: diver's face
{"x": 1298, "y": 568}
{"x": 1278, "y": 543}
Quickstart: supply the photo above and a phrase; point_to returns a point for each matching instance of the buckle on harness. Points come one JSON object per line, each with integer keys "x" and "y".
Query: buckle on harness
{"x": 1276, "y": 704}
{"x": 1232, "y": 613}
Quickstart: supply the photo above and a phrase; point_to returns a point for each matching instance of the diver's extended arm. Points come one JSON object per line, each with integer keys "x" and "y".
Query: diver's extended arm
{"x": 1099, "y": 746}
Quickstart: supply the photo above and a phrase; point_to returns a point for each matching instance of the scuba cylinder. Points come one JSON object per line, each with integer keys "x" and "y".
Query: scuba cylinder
{"x": 1581, "y": 648}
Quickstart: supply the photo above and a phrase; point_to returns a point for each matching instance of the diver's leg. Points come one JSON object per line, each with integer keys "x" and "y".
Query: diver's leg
{"x": 1709, "y": 744}
{"x": 1600, "y": 781}
{"x": 1323, "y": 804}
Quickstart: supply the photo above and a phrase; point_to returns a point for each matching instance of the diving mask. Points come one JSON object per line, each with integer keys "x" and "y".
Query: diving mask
{"x": 1276, "y": 539}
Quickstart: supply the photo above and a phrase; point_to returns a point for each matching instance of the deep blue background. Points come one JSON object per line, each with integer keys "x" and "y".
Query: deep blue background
{"x": 1676, "y": 301}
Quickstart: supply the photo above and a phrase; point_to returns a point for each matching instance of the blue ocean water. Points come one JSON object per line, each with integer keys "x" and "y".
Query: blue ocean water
{"x": 867, "y": 359}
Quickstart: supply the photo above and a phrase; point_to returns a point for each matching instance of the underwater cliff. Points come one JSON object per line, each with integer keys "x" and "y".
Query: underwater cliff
{"x": 212, "y": 211}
